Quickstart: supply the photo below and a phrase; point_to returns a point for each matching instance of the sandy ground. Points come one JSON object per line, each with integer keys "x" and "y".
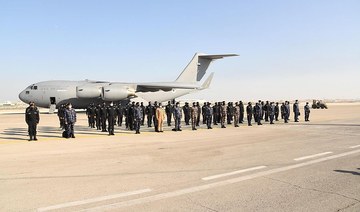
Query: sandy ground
{"x": 283, "y": 167}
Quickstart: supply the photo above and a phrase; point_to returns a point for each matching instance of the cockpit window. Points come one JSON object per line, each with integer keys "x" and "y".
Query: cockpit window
{"x": 27, "y": 92}
{"x": 35, "y": 87}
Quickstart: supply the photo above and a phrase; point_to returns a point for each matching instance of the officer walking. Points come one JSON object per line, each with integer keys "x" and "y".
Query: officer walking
{"x": 32, "y": 119}
{"x": 296, "y": 110}
{"x": 194, "y": 114}
{"x": 307, "y": 111}
{"x": 60, "y": 114}
{"x": 111, "y": 117}
{"x": 249, "y": 112}
{"x": 168, "y": 110}
{"x": 70, "y": 120}
{"x": 160, "y": 116}
{"x": 177, "y": 117}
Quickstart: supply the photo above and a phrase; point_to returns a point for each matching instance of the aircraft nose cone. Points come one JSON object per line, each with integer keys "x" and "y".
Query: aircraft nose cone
{"x": 22, "y": 96}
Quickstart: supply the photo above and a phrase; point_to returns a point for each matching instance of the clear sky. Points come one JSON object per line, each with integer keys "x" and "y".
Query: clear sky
{"x": 288, "y": 49}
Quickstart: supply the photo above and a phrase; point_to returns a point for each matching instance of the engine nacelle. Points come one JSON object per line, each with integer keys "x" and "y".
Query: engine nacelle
{"x": 88, "y": 91}
{"x": 117, "y": 92}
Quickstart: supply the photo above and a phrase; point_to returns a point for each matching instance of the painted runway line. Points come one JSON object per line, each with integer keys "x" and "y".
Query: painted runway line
{"x": 212, "y": 185}
{"x": 312, "y": 156}
{"x": 87, "y": 201}
{"x": 233, "y": 173}
{"x": 353, "y": 147}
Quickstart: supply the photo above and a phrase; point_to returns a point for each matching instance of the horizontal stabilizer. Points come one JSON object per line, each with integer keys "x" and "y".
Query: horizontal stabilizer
{"x": 217, "y": 56}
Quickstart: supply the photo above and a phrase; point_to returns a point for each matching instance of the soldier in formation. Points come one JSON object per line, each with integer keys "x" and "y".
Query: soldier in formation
{"x": 168, "y": 110}
{"x": 160, "y": 116}
{"x": 296, "y": 110}
{"x": 249, "y": 113}
{"x": 307, "y": 111}
{"x": 177, "y": 117}
{"x": 194, "y": 115}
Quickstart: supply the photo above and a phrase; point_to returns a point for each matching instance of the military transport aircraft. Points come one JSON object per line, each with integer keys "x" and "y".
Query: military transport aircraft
{"x": 51, "y": 94}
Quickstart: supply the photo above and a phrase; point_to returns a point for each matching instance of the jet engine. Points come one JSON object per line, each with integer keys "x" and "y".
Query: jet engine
{"x": 116, "y": 92}
{"x": 88, "y": 91}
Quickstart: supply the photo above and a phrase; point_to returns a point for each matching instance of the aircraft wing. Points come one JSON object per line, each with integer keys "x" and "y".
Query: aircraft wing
{"x": 164, "y": 86}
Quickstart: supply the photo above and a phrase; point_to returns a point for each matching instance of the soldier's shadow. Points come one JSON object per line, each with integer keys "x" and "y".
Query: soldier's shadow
{"x": 349, "y": 172}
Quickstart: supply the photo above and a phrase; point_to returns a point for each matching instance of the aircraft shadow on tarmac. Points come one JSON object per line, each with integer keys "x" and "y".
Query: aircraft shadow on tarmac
{"x": 349, "y": 172}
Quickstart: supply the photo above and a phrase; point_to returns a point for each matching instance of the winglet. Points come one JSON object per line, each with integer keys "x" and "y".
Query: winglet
{"x": 207, "y": 82}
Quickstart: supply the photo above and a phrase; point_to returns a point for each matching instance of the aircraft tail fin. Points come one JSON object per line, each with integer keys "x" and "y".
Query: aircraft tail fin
{"x": 197, "y": 67}
{"x": 207, "y": 82}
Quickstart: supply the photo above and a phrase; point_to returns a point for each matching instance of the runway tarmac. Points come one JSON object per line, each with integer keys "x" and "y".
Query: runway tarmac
{"x": 301, "y": 166}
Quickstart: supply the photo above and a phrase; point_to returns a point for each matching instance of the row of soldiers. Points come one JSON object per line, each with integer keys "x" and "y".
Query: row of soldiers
{"x": 105, "y": 117}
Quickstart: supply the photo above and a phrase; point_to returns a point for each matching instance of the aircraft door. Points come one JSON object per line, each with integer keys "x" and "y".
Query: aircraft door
{"x": 52, "y": 104}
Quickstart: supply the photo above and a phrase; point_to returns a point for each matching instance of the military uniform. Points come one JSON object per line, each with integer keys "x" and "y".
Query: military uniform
{"x": 215, "y": 113}
{"x": 111, "y": 117}
{"x": 98, "y": 117}
{"x": 236, "y": 115}
{"x": 203, "y": 113}
{"x": 119, "y": 113}
{"x": 258, "y": 112}
{"x": 137, "y": 114}
{"x": 61, "y": 116}
{"x": 208, "y": 114}
{"x": 32, "y": 119}
{"x": 177, "y": 117}
{"x": 296, "y": 110}
{"x": 149, "y": 111}
{"x": 266, "y": 110}
{"x": 194, "y": 115}
{"x": 198, "y": 116}
{"x": 103, "y": 114}
{"x": 241, "y": 116}
{"x": 168, "y": 110}
{"x": 70, "y": 120}
{"x": 160, "y": 116}
{"x": 271, "y": 109}
{"x": 249, "y": 112}
{"x": 223, "y": 114}
{"x": 91, "y": 116}
{"x": 186, "y": 110}
{"x": 154, "y": 117}
{"x": 285, "y": 111}
{"x": 307, "y": 111}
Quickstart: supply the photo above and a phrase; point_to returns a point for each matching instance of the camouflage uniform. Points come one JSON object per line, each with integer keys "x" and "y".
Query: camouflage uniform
{"x": 194, "y": 115}
{"x": 236, "y": 114}
{"x": 223, "y": 114}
